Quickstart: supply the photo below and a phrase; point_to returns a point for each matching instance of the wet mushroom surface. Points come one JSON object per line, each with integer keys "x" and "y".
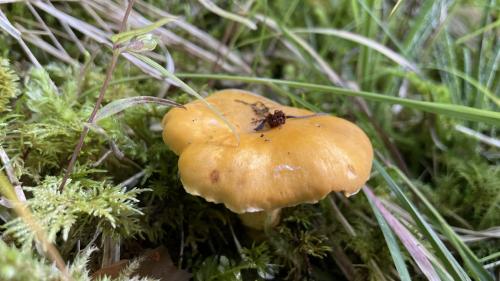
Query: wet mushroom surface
{"x": 284, "y": 156}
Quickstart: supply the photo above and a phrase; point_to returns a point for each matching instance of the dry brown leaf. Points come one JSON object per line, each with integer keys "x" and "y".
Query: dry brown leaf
{"x": 154, "y": 263}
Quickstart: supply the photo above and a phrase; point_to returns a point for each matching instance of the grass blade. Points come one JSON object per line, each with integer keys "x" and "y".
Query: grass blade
{"x": 332, "y": 75}
{"x": 478, "y": 32}
{"x": 362, "y": 41}
{"x": 392, "y": 244}
{"x": 395, "y": 8}
{"x": 127, "y": 35}
{"x": 188, "y": 89}
{"x": 472, "y": 263}
{"x": 117, "y": 106}
{"x": 421, "y": 26}
{"x": 452, "y": 110}
{"x": 471, "y": 81}
{"x": 8, "y": 27}
{"x": 225, "y": 14}
{"x": 449, "y": 261}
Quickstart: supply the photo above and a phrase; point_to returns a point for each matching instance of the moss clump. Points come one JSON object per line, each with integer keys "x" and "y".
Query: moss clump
{"x": 9, "y": 87}
{"x": 471, "y": 189}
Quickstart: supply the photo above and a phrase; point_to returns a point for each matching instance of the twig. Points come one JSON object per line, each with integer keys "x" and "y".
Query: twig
{"x": 343, "y": 262}
{"x": 104, "y": 87}
{"x": 103, "y": 157}
{"x": 133, "y": 179}
{"x": 98, "y": 35}
{"x": 338, "y": 214}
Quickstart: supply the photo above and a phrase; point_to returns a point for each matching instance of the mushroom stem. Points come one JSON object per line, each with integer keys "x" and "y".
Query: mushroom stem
{"x": 261, "y": 220}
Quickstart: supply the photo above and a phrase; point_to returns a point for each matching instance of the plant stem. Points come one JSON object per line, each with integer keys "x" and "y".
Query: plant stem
{"x": 85, "y": 131}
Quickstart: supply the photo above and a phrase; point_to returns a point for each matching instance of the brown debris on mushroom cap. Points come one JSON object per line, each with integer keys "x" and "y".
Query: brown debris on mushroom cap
{"x": 299, "y": 161}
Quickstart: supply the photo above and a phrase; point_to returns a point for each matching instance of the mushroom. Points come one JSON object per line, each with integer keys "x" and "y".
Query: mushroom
{"x": 284, "y": 156}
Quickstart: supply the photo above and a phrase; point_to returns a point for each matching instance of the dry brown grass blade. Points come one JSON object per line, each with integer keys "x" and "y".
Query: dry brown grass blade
{"x": 9, "y": 28}
{"x": 469, "y": 236}
{"x": 87, "y": 29}
{"x": 40, "y": 43}
{"x": 95, "y": 16}
{"x": 112, "y": 11}
{"x": 200, "y": 36}
{"x": 71, "y": 34}
{"x": 47, "y": 29}
{"x": 95, "y": 34}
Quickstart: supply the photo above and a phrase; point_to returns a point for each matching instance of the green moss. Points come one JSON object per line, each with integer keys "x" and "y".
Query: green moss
{"x": 9, "y": 87}
{"x": 40, "y": 126}
{"x": 471, "y": 189}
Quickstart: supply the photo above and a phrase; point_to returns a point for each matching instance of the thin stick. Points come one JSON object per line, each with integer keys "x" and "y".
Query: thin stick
{"x": 114, "y": 59}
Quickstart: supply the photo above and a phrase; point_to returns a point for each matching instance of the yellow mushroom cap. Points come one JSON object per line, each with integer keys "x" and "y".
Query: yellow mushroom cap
{"x": 298, "y": 162}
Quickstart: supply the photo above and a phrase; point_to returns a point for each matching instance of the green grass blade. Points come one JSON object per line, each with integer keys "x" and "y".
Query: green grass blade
{"x": 493, "y": 69}
{"x": 120, "y": 105}
{"x": 491, "y": 257}
{"x": 367, "y": 42}
{"x": 395, "y": 8}
{"x": 332, "y": 75}
{"x": 188, "y": 89}
{"x": 478, "y": 32}
{"x": 382, "y": 26}
{"x": 485, "y": 91}
{"x": 452, "y": 110}
{"x": 483, "y": 53}
{"x": 127, "y": 35}
{"x": 420, "y": 27}
{"x": 446, "y": 58}
{"x": 472, "y": 263}
{"x": 355, "y": 11}
{"x": 391, "y": 241}
{"x": 442, "y": 252}
{"x": 209, "y": 5}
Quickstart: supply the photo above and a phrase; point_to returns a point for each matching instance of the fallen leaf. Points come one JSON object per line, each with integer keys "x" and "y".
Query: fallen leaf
{"x": 155, "y": 263}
